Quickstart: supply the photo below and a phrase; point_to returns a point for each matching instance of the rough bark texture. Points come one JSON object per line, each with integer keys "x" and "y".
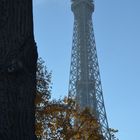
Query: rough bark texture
{"x": 18, "y": 56}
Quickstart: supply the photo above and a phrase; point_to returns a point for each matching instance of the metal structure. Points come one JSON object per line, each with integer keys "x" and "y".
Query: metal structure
{"x": 85, "y": 84}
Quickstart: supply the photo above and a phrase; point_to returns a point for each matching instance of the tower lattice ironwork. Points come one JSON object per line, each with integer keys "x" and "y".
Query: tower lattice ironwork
{"x": 85, "y": 83}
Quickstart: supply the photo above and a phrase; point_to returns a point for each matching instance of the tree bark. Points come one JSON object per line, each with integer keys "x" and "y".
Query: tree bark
{"x": 18, "y": 57}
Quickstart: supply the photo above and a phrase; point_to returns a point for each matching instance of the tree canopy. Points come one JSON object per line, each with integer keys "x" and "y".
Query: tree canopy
{"x": 61, "y": 119}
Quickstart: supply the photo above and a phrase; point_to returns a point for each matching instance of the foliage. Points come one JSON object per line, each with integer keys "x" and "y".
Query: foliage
{"x": 62, "y": 119}
{"x": 65, "y": 122}
{"x": 43, "y": 94}
{"x": 113, "y": 132}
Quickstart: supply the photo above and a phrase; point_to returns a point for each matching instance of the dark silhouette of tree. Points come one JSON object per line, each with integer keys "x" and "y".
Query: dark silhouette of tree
{"x": 18, "y": 56}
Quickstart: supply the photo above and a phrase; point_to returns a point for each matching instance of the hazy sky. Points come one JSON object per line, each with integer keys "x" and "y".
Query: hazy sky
{"x": 117, "y": 34}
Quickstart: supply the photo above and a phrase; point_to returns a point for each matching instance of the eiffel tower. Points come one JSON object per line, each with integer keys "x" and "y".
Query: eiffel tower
{"x": 85, "y": 83}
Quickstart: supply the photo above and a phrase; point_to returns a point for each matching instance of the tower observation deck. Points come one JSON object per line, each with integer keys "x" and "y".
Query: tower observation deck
{"x": 85, "y": 83}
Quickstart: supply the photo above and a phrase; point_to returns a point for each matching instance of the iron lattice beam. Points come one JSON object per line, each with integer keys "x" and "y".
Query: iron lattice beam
{"x": 85, "y": 83}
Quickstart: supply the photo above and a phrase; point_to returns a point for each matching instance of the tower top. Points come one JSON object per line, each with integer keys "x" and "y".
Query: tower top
{"x": 82, "y": 0}
{"x": 82, "y": 8}
{"x": 80, "y": 4}
{"x": 91, "y": 2}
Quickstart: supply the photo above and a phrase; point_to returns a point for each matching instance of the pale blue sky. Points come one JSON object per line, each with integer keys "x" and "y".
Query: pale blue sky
{"x": 117, "y": 33}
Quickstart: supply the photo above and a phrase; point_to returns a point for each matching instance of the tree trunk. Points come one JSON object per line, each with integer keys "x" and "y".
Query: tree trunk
{"x": 18, "y": 56}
